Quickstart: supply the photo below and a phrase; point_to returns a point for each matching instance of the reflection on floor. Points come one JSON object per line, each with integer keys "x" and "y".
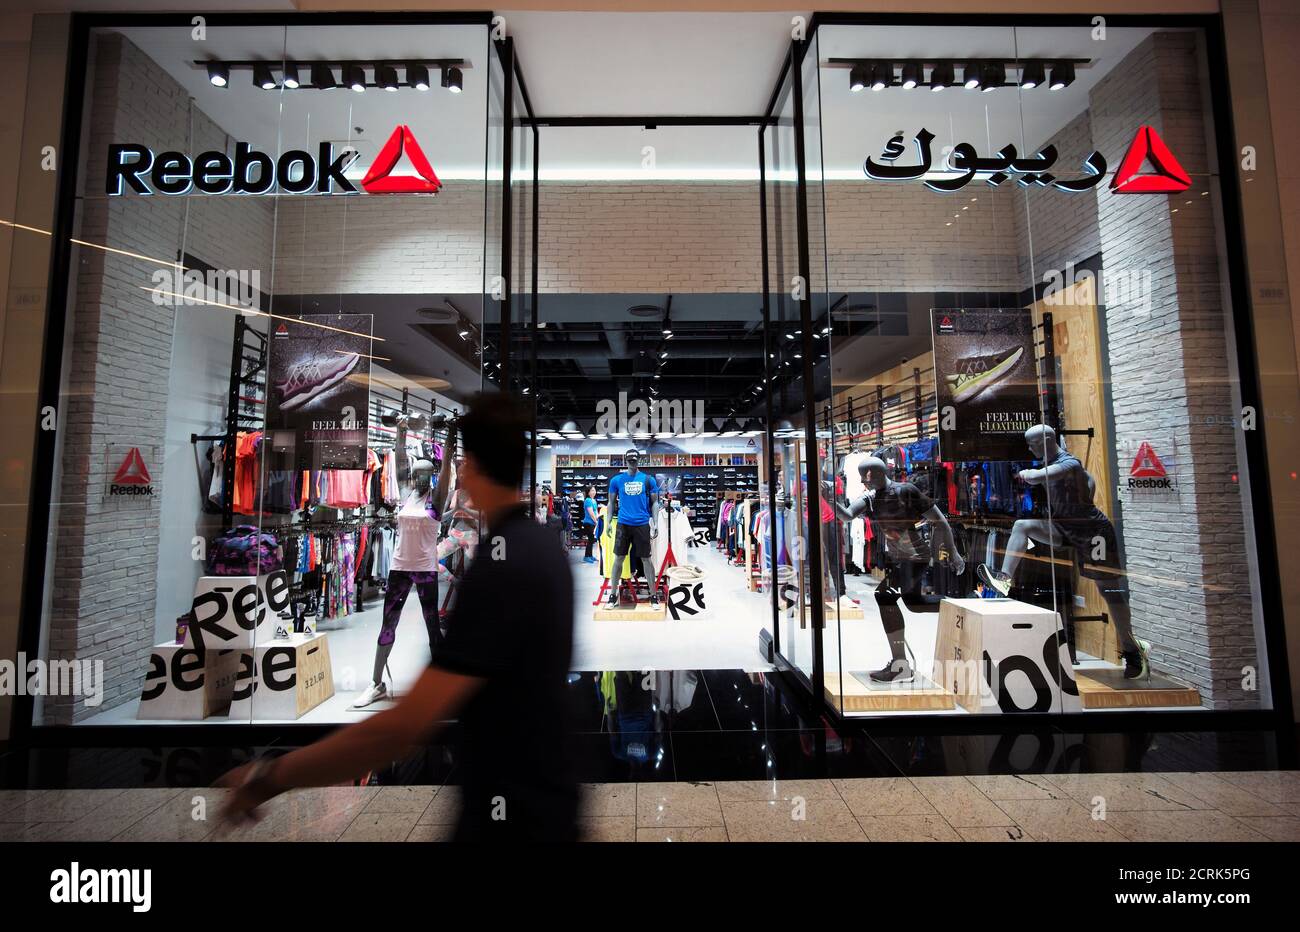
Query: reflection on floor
{"x": 1172, "y": 807}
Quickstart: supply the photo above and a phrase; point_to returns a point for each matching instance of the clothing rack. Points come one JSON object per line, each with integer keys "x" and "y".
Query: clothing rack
{"x": 245, "y": 406}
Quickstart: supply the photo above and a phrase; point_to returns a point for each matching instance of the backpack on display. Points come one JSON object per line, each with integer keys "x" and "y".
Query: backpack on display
{"x": 244, "y": 551}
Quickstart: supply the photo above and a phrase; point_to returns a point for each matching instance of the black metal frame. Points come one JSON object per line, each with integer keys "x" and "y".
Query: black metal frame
{"x": 1279, "y": 717}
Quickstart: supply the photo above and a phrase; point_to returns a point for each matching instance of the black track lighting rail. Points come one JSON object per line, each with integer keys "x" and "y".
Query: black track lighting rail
{"x": 249, "y": 65}
{"x": 929, "y": 62}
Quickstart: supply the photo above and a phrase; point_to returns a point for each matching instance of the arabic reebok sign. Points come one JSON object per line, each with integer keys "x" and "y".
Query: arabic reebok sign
{"x": 136, "y": 167}
{"x": 964, "y": 164}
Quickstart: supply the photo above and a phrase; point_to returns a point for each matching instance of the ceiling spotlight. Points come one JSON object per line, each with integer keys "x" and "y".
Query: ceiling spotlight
{"x": 386, "y": 77}
{"x": 1062, "y": 75}
{"x": 418, "y": 77}
{"x": 941, "y": 76}
{"x": 322, "y": 77}
{"x": 995, "y": 76}
{"x": 882, "y": 75}
{"x": 263, "y": 78}
{"x": 354, "y": 76}
{"x": 291, "y": 75}
{"x": 218, "y": 73}
{"x": 859, "y": 77}
{"x": 1031, "y": 75}
{"x": 451, "y": 79}
{"x": 971, "y": 75}
{"x": 911, "y": 75}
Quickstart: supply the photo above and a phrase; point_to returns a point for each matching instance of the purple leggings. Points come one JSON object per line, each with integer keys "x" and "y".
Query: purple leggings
{"x": 399, "y": 587}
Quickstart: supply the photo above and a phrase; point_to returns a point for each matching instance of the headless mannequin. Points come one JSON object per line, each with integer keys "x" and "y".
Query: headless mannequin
{"x": 896, "y": 507}
{"x": 647, "y": 564}
{"x": 1075, "y": 522}
{"x": 417, "y": 556}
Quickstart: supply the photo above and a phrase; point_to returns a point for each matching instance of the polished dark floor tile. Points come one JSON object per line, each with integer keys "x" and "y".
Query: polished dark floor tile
{"x": 627, "y": 757}
{"x": 963, "y": 755}
{"x": 747, "y": 755}
{"x": 1175, "y": 752}
{"x": 744, "y": 701}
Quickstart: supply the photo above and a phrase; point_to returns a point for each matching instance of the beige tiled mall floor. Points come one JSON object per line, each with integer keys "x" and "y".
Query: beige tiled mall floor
{"x": 1180, "y": 807}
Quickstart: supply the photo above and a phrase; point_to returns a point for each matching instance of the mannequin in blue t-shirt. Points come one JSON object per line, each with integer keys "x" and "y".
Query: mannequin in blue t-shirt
{"x": 634, "y": 500}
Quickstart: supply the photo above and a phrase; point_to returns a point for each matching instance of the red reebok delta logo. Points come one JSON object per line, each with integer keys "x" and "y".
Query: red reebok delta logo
{"x": 133, "y": 470}
{"x": 1147, "y": 146}
{"x": 1147, "y": 471}
{"x": 380, "y": 180}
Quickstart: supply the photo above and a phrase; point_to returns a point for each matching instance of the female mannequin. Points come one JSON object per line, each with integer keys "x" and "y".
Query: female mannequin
{"x": 415, "y": 560}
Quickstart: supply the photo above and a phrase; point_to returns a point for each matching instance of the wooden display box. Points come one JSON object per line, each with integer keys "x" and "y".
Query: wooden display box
{"x": 1161, "y": 692}
{"x": 185, "y": 684}
{"x": 284, "y": 679}
{"x": 642, "y": 611}
{"x": 1000, "y": 655}
{"x": 850, "y": 695}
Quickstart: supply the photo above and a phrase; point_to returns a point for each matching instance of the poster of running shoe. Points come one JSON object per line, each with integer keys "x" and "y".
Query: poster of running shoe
{"x": 318, "y": 391}
{"x": 985, "y": 382}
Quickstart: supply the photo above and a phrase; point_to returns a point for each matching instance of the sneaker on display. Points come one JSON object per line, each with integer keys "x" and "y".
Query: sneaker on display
{"x": 612, "y": 604}
{"x": 654, "y": 599}
{"x": 374, "y": 692}
{"x": 995, "y": 580}
{"x": 1137, "y": 664}
{"x": 977, "y": 374}
{"x": 897, "y": 671}
{"x": 588, "y": 559}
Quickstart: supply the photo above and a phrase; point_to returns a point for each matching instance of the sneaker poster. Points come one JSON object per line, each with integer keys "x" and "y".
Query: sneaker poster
{"x": 318, "y": 391}
{"x": 985, "y": 382}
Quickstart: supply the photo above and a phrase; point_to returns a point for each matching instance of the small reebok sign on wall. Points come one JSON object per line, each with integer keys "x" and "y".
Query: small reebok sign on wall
{"x": 127, "y": 472}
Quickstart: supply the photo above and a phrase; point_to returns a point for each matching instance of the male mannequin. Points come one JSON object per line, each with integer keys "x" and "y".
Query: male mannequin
{"x": 634, "y": 500}
{"x": 1077, "y": 523}
{"x": 415, "y": 561}
{"x": 896, "y": 508}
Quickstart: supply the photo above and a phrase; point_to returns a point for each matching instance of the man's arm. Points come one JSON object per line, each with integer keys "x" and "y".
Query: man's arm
{"x": 353, "y": 751}
{"x": 612, "y": 507}
{"x": 939, "y": 528}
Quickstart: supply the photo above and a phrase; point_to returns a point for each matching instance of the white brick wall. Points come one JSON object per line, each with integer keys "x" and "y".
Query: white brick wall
{"x": 1169, "y": 368}
{"x": 698, "y": 237}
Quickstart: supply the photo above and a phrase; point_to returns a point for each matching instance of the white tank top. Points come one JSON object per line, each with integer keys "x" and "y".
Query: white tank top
{"x": 417, "y": 538}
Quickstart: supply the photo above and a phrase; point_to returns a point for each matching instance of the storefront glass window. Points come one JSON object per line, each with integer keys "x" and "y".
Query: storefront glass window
{"x": 273, "y": 223}
{"x": 1037, "y": 418}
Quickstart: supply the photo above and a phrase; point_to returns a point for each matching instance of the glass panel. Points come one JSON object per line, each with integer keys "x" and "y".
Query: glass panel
{"x": 785, "y": 565}
{"x": 1022, "y": 249}
{"x": 254, "y": 385}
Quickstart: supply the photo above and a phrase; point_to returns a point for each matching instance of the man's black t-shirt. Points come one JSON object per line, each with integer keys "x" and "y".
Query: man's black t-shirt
{"x": 895, "y": 510}
{"x": 512, "y": 624}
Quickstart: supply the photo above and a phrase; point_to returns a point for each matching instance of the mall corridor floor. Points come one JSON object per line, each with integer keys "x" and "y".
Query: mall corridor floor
{"x": 1171, "y": 807}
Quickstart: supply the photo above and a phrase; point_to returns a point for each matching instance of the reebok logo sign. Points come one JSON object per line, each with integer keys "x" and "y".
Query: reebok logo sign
{"x": 132, "y": 477}
{"x": 1147, "y": 472}
{"x": 249, "y": 172}
{"x": 1168, "y": 177}
{"x": 400, "y": 168}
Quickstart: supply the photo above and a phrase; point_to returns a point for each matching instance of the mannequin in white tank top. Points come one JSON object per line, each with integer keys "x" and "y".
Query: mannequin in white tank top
{"x": 415, "y": 559}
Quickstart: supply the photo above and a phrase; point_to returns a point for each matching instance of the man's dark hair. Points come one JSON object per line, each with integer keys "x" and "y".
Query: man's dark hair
{"x": 493, "y": 433}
